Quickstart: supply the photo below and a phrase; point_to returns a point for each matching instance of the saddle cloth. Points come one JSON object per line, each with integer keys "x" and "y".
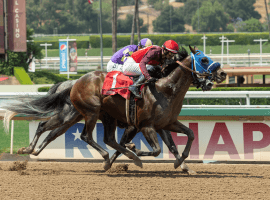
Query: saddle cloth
{"x": 116, "y": 79}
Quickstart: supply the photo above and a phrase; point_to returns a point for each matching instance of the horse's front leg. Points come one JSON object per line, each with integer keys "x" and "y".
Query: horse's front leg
{"x": 128, "y": 135}
{"x": 168, "y": 140}
{"x": 181, "y": 128}
{"x": 151, "y": 137}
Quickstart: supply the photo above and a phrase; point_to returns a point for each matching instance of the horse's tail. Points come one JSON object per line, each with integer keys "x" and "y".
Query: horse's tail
{"x": 8, "y": 116}
{"x": 42, "y": 107}
{"x": 53, "y": 89}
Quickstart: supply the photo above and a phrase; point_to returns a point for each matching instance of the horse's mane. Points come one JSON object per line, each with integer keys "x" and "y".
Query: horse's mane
{"x": 170, "y": 65}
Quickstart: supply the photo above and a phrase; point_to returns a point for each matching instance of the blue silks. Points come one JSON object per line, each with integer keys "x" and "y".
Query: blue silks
{"x": 200, "y": 66}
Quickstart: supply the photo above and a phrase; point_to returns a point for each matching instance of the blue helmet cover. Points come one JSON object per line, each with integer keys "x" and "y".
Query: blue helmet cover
{"x": 202, "y": 67}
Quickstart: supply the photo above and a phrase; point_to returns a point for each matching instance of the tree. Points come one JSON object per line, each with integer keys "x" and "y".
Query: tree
{"x": 190, "y": 8}
{"x": 251, "y": 25}
{"x": 230, "y": 27}
{"x": 124, "y": 26}
{"x": 138, "y": 20}
{"x": 87, "y": 16}
{"x": 240, "y": 8}
{"x": 114, "y": 26}
{"x": 212, "y": 17}
{"x": 134, "y": 22}
{"x": 162, "y": 23}
{"x": 267, "y": 16}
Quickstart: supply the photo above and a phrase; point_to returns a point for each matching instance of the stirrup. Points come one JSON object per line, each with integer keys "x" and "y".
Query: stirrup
{"x": 135, "y": 91}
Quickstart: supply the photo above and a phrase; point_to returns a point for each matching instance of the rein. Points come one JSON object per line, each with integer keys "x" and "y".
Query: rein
{"x": 200, "y": 74}
{"x": 182, "y": 65}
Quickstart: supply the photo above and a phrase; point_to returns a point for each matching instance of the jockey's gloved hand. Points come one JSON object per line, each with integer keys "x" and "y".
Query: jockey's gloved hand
{"x": 152, "y": 80}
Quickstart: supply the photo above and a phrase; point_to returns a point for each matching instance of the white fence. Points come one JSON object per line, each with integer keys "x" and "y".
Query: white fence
{"x": 11, "y": 96}
{"x": 6, "y": 96}
{"x": 91, "y": 62}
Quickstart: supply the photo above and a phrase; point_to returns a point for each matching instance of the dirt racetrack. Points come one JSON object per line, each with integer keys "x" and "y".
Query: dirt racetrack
{"x": 71, "y": 180}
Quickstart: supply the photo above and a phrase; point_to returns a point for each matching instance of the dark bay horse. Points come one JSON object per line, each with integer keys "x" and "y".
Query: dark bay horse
{"x": 158, "y": 109}
{"x": 68, "y": 116}
{"x": 61, "y": 121}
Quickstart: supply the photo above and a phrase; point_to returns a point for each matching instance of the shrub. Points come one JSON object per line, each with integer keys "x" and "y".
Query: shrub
{"x": 43, "y": 77}
{"x": 22, "y": 76}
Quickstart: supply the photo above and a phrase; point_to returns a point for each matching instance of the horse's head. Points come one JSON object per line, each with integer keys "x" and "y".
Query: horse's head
{"x": 205, "y": 65}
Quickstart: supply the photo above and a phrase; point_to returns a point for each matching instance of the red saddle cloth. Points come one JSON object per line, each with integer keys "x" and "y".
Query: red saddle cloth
{"x": 116, "y": 79}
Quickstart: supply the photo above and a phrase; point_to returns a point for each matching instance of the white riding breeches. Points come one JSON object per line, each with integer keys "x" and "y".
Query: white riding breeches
{"x": 132, "y": 68}
{"x": 111, "y": 66}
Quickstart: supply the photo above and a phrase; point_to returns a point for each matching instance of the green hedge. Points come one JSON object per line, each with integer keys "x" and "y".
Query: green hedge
{"x": 43, "y": 89}
{"x": 22, "y": 76}
{"x": 71, "y": 76}
{"x": 187, "y": 39}
{"x": 159, "y": 39}
{"x": 83, "y": 44}
{"x": 44, "y": 77}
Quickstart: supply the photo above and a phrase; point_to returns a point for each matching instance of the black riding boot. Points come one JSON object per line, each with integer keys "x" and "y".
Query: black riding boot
{"x": 135, "y": 88}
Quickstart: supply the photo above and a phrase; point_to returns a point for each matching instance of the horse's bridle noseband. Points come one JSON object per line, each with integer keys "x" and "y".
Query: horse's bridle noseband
{"x": 204, "y": 74}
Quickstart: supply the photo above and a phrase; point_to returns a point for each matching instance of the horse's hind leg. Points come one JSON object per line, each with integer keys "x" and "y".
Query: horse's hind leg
{"x": 181, "y": 128}
{"x": 54, "y": 122}
{"x": 128, "y": 135}
{"x": 56, "y": 133}
{"x": 151, "y": 137}
{"x": 90, "y": 123}
{"x": 30, "y": 148}
{"x": 109, "y": 139}
{"x": 167, "y": 139}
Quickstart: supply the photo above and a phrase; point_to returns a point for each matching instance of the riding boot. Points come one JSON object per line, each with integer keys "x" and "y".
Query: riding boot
{"x": 135, "y": 87}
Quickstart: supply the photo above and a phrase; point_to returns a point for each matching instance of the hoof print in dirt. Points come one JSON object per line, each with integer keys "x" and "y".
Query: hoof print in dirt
{"x": 51, "y": 172}
{"x": 121, "y": 168}
{"x": 17, "y": 165}
{"x": 22, "y": 172}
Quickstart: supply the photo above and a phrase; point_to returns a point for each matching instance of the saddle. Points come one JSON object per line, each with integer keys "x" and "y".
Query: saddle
{"x": 116, "y": 79}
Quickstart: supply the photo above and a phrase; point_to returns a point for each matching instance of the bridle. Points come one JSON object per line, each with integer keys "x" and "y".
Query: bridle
{"x": 204, "y": 74}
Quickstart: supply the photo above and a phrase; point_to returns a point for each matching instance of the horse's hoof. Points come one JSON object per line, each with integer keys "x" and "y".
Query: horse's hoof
{"x": 185, "y": 168}
{"x": 178, "y": 162}
{"x": 106, "y": 165}
{"x": 34, "y": 153}
{"x": 138, "y": 162}
{"x": 131, "y": 146}
{"x": 20, "y": 151}
{"x": 191, "y": 172}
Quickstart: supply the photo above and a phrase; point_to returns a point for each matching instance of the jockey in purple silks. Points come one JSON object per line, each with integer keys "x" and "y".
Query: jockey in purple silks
{"x": 117, "y": 60}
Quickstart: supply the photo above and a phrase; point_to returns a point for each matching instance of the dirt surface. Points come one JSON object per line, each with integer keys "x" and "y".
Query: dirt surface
{"x": 71, "y": 180}
{"x": 10, "y": 81}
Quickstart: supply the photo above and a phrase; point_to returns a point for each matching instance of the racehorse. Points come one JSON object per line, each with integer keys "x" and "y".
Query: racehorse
{"x": 158, "y": 109}
{"x": 69, "y": 116}
{"x": 60, "y": 122}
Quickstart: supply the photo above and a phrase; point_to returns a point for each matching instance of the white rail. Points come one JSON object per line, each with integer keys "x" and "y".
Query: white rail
{"x": 190, "y": 94}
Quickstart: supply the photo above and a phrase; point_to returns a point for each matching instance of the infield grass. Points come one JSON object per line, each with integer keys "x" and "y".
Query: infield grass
{"x": 20, "y": 137}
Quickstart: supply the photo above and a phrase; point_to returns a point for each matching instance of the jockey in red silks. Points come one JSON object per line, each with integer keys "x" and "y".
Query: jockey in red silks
{"x": 146, "y": 59}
